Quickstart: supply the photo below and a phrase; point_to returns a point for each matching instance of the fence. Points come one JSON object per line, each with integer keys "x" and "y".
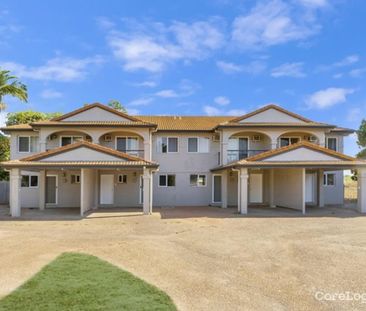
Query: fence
{"x": 4, "y": 192}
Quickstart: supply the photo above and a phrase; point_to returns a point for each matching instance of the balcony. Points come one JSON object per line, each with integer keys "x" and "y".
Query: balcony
{"x": 135, "y": 153}
{"x": 236, "y": 155}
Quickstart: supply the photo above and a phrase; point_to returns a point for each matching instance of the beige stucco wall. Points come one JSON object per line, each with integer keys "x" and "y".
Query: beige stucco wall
{"x": 95, "y": 114}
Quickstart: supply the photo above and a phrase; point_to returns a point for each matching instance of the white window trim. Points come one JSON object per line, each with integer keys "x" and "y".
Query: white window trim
{"x": 166, "y": 178}
{"x": 213, "y": 189}
{"x": 198, "y": 185}
{"x": 72, "y": 139}
{"x": 29, "y": 175}
{"x": 29, "y": 142}
{"x": 121, "y": 182}
{"x": 279, "y": 139}
{"x": 167, "y": 144}
{"x": 237, "y": 137}
{"x": 333, "y": 137}
{"x": 198, "y": 144}
{"x": 326, "y": 180}
{"x": 76, "y": 178}
{"x": 127, "y": 137}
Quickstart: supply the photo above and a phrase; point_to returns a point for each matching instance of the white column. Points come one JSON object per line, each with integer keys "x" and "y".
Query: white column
{"x": 271, "y": 188}
{"x": 147, "y": 189}
{"x": 274, "y": 143}
{"x": 15, "y": 204}
{"x": 321, "y": 188}
{"x": 83, "y": 193}
{"x": 224, "y": 189}
{"x": 86, "y": 190}
{"x": 303, "y": 187}
{"x": 42, "y": 189}
{"x": 244, "y": 191}
{"x": 361, "y": 190}
{"x": 42, "y": 145}
{"x": 224, "y": 146}
{"x": 147, "y": 150}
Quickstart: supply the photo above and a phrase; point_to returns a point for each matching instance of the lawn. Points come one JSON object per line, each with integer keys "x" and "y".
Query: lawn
{"x": 82, "y": 282}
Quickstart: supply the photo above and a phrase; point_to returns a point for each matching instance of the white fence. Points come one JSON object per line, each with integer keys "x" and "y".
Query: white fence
{"x": 4, "y": 192}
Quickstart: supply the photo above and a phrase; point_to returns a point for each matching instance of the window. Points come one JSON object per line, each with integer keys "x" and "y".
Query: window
{"x": 75, "y": 179}
{"x": 122, "y": 179}
{"x": 198, "y": 144}
{"x": 332, "y": 143}
{"x": 286, "y": 141}
{"x": 27, "y": 144}
{"x": 329, "y": 179}
{"x": 127, "y": 144}
{"x": 67, "y": 140}
{"x": 197, "y": 180}
{"x": 29, "y": 181}
{"x": 167, "y": 144}
{"x": 166, "y": 180}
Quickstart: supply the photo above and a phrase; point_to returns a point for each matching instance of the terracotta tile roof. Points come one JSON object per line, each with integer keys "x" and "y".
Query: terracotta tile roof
{"x": 110, "y": 151}
{"x": 273, "y": 124}
{"x": 94, "y": 123}
{"x": 17, "y": 127}
{"x": 271, "y": 106}
{"x": 98, "y": 105}
{"x": 343, "y": 129}
{"x": 185, "y": 123}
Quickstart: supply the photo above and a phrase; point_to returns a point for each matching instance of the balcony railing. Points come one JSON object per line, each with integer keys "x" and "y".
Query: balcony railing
{"x": 136, "y": 153}
{"x": 235, "y": 155}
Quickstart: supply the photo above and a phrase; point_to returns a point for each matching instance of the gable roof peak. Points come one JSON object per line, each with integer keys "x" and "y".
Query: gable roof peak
{"x": 96, "y": 105}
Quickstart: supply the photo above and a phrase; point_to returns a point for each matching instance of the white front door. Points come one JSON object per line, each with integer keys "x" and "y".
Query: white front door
{"x": 309, "y": 188}
{"x": 256, "y": 188}
{"x": 51, "y": 189}
{"x": 107, "y": 189}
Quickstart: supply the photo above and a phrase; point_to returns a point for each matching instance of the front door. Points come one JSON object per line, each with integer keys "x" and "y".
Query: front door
{"x": 216, "y": 198}
{"x": 51, "y": 189}
{"x": 107, "y": 189}
{"x": 309, "y": 188}
{"x": 256, "y": 188}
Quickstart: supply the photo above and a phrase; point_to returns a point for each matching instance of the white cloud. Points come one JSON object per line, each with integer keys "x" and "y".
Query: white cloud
{"x": 254, "y": 67}
{"x": 222, "y": 100}
{"x": 314, "y": 3}
{"x": 271, "y": 23}
{"x": 56, "y": 69}
{"x": 146, "y": 84}
{"x": 140, "y": 102}
{"x": 358, "y": 72}
{"x": 294, "y": 70}
{"x": 133, "y": 111}
{"x": 213, "y": 111}
{"x": 153, "y": 47}
{"x": 167, "y": 94}
{"x": 328, "y": 97}
{"x": 104, "y": 22}
{"x": 349, "y": 60}
{"x": 49, "y": 94}
{"x": 3, "y": 118}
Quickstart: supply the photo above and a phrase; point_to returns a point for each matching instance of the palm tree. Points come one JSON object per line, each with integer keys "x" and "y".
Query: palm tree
{"x": 9, "y": 85}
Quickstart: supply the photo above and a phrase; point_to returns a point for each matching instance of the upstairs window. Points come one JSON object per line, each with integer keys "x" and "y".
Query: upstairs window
{"x": 198, "y": 144}
{"x": 286, "y": 141}
{"x": 27, "y": 144}
{"x": 67, "y": 140}
{"x": 127, "y": 144}
{"x": 167, "y": 144}
{"x": 332, "y": 143}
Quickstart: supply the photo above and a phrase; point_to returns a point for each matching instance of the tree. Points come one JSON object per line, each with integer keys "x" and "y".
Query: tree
{"x": 9, "y": 85}
{"x": 29, "y": 116}
{"x": 4, "y": 155}
{"x": 115, "y": 104}
{"x": 361, "y": 139}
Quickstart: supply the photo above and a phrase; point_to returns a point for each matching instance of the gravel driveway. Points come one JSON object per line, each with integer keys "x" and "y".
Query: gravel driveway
{"x": 205, "y": 258}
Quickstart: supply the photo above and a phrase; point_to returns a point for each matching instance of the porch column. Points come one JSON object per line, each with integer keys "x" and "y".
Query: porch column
{"x": 224, "y": 189}
{"x": 14, "y": 202}
{"x": 243, "y": 199}
{"x": 321, "y": 188}
{"x": 274, "y": 143}
{"x": 87, "y": 177}
{"x": 224, "y": 146}
{"x": 42, "y": 189}
{"x": 42, "y": 145}
{"x": 147, "y": 150}
{"x": 147, "y": 191}
{"x": 271, "y": 188}
{"x": 361, "y": 190}
{"x": 303, "y": 187}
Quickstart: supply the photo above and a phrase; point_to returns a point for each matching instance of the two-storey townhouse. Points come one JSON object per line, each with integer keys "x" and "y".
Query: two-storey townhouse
{"x": 97, "y": 157}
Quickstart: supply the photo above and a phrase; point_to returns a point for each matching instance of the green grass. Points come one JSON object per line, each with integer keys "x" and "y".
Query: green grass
{"x": 82, "y": 282}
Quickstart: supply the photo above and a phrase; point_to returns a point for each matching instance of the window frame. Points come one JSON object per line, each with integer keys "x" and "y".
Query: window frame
{"x": 198, "y": 144}
{"x": 124, "y": 179}
{"x": 167, "y": 144}
{"x": 72, "y": 139}
{"x": 29, "y": 181}
{"x": 166, "y": 181}
{"x": 325, "y": 180}
{"x": 127, "y": 137}
{"x": 197, "y": 184}
{"x": 24, "y": 136}
{"x": 289, "y": 137}
{"x": 336, "y": 142}
{"x": 77, "y": 179}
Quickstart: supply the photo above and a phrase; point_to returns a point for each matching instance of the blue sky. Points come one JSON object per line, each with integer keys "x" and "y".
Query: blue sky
{"x": 203, "y": 57}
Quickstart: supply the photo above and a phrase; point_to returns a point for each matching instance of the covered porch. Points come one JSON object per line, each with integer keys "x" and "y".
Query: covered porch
{"x": 294, "y": 177}
{"x": 105, "y": 178}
